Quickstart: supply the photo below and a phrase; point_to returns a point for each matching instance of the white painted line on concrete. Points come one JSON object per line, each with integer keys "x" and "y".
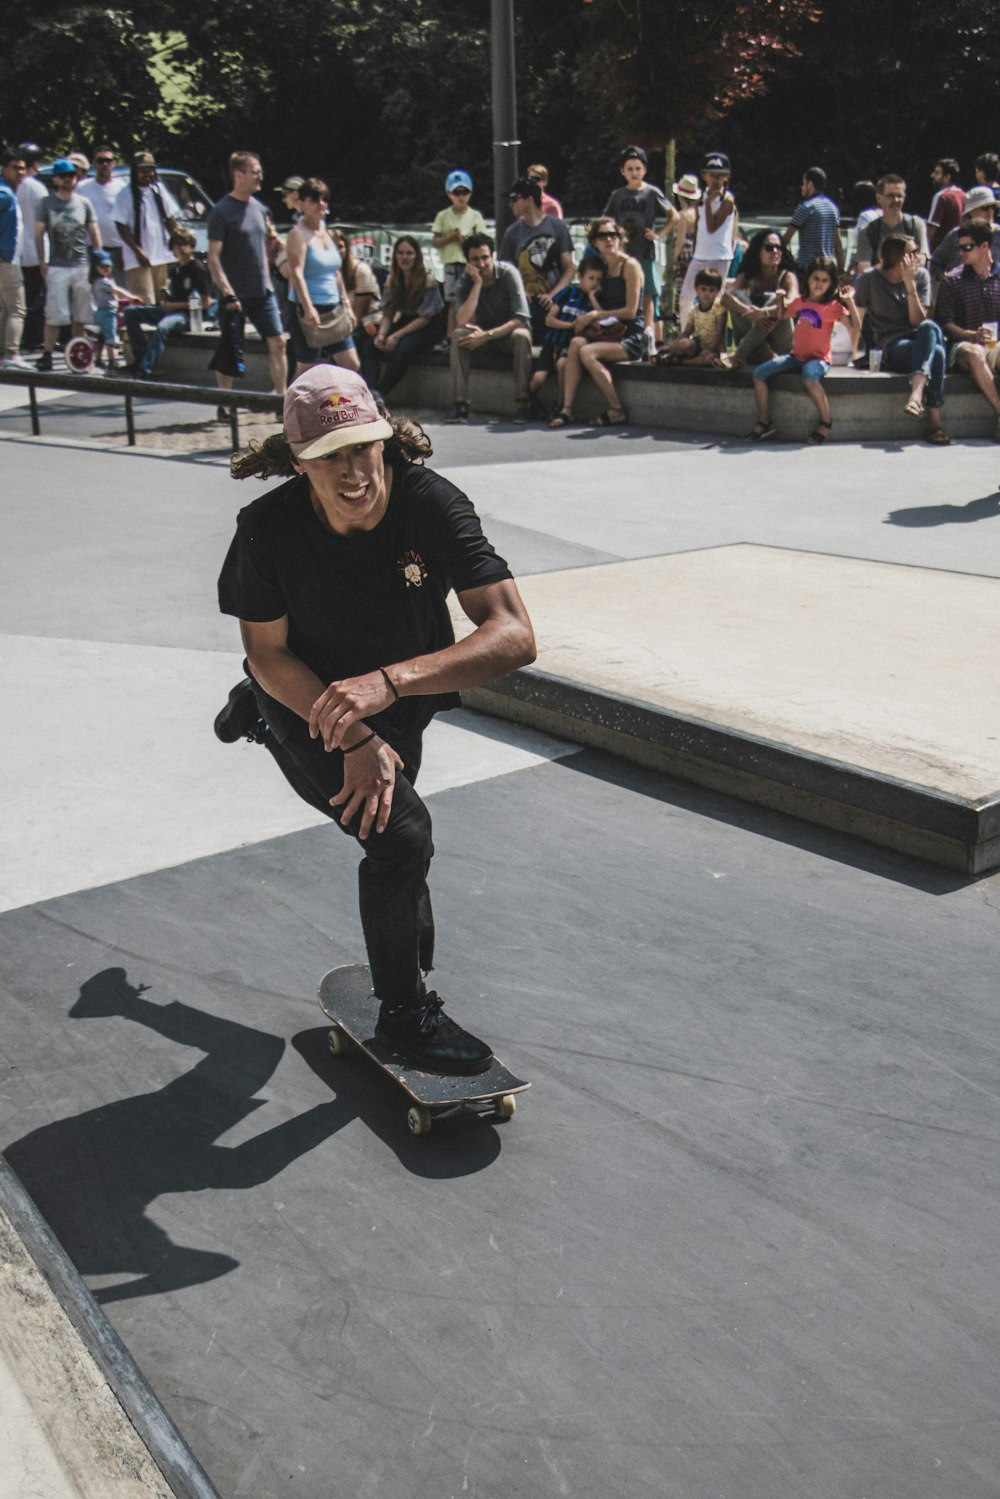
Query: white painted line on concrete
{"x": 115, "y": 770}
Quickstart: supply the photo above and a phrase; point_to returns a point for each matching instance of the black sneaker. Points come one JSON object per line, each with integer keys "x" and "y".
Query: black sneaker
{"x": 425, "y": 1035}
{"x": 459, "y": 413}
{"x": 45, "y": 363}
{"x": 240, "y": 718}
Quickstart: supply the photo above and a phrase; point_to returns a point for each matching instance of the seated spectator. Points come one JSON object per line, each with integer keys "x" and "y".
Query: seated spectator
{"x": 717, "y": 228}
{"x": 815, "y": 317}
{"x": 703, "y": 336}
{"x": 816, "y": 221}
{"x": 767, "y": 269}
{"x": 948, "y": 203}
{"x": 987, "y": 170}
{"x": 540, "y": 174}
{"x": 363, "y": 292}
{"x": 412, "y": 313}
{"x": 565, "y": 318}
{"x": 980, "y": 208}
{"x": 896, "y": 294}
{"x": 968, "y": 300}
{"x": 540, "y": 247}
{"x": 891, "y": 195}
{"x": 612, "y": 336}
{"x": 172, "y": 313}
{"x": 492, "y": 313}
{"x": 317, "y": 295}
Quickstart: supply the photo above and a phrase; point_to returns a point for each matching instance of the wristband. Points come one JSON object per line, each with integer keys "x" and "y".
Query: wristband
{"x": 230, "y": 298}
{"x": 352, "y": 747}
{"x": 391, "y": 683}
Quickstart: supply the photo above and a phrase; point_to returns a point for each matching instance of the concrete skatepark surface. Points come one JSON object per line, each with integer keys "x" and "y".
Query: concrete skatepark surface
{"x": 738, "y": 1239}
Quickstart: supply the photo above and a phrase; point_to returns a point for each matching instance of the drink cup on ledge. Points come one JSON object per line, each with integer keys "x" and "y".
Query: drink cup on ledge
{"x": 874, "y": 360}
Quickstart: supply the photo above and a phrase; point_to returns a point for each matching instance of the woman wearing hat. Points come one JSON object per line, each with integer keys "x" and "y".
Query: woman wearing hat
{"x": 687, "y": 196}
{"x": 339, "y": 578}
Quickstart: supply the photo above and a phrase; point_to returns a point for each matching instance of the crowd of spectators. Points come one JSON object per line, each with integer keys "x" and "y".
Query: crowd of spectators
{"x": 916, "y": 296}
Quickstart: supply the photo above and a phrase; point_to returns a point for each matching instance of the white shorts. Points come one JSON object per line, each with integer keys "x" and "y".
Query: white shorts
{"x": 67, "y": 295}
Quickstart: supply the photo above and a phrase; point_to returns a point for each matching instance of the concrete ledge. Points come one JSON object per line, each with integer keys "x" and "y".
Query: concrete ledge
{"x": 865, "y": 407}
{"x": 926, "y": 824}
{"x": 101, "y": 1431}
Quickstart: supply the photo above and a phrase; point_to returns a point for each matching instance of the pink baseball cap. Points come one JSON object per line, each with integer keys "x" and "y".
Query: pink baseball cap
{"x": 329, "y": 408}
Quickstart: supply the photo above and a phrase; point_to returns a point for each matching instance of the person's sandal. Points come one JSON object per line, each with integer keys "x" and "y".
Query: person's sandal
{"x": 561, "y": 419}
{"x": 607, "y": 420}
{"x": 761, "y": 432}
{"x": 817, "y": 435}
{"x": 938, "y": 438}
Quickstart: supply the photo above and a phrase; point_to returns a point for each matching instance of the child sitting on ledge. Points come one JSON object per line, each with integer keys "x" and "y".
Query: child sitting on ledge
{"x": 703, "y": 335}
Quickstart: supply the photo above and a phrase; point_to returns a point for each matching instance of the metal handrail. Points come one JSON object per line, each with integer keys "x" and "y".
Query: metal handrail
{"x": 156, "y": 390}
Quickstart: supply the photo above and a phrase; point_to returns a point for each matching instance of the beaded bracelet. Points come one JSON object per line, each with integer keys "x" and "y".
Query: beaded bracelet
{"x": 352, "y": 747}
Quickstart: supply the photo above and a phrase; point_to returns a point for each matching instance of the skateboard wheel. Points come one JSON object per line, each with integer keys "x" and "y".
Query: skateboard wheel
{"x": 505, "y": 1106}
{"x": 419, "y": 1120}
{"x": 340, "y": 1042}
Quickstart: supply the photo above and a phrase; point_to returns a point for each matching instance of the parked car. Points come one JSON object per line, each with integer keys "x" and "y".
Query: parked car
{"x": 191, "y": 198}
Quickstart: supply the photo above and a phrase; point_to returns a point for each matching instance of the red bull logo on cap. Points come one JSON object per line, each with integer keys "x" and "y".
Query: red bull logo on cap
{"x": 338, "y": 408}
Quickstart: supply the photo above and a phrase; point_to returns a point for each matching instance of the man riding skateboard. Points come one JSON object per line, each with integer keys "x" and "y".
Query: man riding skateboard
{"x": 339, "y": 579}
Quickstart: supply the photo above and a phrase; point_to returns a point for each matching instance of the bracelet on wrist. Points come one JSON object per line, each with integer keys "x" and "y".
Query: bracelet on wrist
{"x": 352, "y": 747}
{"x": 391, "y": 684}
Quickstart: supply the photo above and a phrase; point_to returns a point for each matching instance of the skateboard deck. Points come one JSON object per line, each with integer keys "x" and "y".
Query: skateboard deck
{"x": 346, "y": 998}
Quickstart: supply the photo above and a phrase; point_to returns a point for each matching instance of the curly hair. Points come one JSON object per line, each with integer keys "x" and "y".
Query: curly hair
{"x": 273, "y": 458}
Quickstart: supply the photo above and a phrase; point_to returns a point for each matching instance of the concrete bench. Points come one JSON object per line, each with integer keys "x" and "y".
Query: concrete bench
{"x": 865, "y": 407}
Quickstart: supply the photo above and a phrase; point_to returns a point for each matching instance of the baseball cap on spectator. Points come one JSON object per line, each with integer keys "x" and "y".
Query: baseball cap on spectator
{"x": 688, "y": 187}
{"x": 979, "y": 197}
{"x": 81, "y": 162}
{"x": 526, "y": 187}
{"x": 31, "y": 151}
{"x": 143, "y": 159}
{"x": 291, "y": 184}
{"x": 64, "y": 168}
{"x": 457, "y": 179}
{"x": 329, "y": 408}
{"x": 101, "y": 257}
{"x": 716, "y": 161}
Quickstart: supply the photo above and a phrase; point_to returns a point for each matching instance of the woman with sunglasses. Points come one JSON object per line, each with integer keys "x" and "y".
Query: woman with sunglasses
{"x": 316, "y": 282}
{"x": 613, "y": 335}
{"x": 767, "y": 269}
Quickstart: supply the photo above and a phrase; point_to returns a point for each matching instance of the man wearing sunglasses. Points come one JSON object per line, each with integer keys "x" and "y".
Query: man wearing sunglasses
{"x": 968, "y": 311}
{"x": 102, "y": 189}
{"x": 70, "y": 223}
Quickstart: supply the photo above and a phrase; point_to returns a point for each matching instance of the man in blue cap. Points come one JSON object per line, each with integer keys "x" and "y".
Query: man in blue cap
{"x": 451, "y": 227}
{"x": 71, "y": 225}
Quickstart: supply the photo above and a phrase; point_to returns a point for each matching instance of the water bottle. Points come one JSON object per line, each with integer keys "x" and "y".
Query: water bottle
{"x": 194, "y": 313}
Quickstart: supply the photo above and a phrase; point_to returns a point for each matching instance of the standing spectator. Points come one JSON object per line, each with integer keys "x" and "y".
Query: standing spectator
{"x": 30, "y": 195}
{"x": 11, "y": 275}
{"x": 687, "y": 196}
{"x": 767, "y": 269}
{"x": 237, "y": 262}
{"x": 540, "y": 174}
{"x": 980, "y": 207}
{"x": 816, "y": 221}
{"x": 317, "y": 293}
{"x": 492, "y": 311}
{"x": 451, "y": 226}
{"x": 541, "y": 249}
{"x": 864, "y": 206}
{"x": 716, "y": 235}
{"x": 172, "y": 314}
{"x": 103, "y": 190}
{"x": 637, "y": 206}
{"x": 890, "y": 195}
{"x": 987, "y": 169}
{"x": 365, "y": 298}
{"x": 969, "y": 299}
{"x": 145, "y": 216}
{"x": 948, "y": 203}
{"x": 411, "y": 314}
{"x": 896, "y": 294}
{"x": 289, "y": 194}
{"x": 107, "y": 297}
{"x": 70, "y": 223}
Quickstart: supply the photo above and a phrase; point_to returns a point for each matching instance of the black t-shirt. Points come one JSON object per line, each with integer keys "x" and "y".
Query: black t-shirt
{"x": 355, "y": 603}
{"x": 182, "y": 280}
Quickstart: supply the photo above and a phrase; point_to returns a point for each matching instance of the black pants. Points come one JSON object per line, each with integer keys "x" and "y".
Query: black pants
{"x": 34, "y": 298}
{"x": 394, "y": 899}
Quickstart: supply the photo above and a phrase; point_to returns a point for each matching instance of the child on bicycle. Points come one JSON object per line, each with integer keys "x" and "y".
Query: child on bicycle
{"x": 106, "y": 296}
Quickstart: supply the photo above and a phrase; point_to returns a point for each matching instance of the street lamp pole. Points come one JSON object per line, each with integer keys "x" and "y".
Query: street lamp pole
{"x": 505, "y": 142}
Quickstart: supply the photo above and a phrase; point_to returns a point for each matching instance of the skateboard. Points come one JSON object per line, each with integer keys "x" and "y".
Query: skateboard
{"x": 346, "y": 998}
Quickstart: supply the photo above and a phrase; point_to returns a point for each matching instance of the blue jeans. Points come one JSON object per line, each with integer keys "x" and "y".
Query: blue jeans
{"x": 923, "y": 352}
{"x": 147, "y": 353}
{"x": 811, "y": 369}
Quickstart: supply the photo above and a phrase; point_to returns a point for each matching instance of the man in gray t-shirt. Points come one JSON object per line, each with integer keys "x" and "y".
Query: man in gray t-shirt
{"x": 65, "y": 230}
{"x": 492, "y": 311}
{"x": 237, "y": 262}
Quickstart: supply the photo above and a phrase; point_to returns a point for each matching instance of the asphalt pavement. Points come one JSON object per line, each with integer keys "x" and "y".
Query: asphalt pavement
{"x": 737, "y": 1239}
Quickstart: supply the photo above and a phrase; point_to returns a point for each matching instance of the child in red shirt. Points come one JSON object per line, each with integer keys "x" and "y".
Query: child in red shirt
{"x": 815, "y": 316}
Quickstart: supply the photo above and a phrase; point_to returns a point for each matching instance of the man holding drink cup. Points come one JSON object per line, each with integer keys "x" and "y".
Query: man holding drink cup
{"x": 968, "y": 310}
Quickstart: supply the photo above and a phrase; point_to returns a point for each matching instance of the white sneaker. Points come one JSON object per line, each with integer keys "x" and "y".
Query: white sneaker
{"x": 15, "y": 362}
{"x": 649, "y": 339}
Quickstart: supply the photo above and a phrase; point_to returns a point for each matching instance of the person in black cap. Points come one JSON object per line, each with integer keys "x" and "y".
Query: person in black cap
{"x": 716, "y": 235}
{"x": 540, "y": 246}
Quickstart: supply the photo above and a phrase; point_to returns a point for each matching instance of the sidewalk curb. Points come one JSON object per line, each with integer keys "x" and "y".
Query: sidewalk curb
{"x": 912, "y": 819}
{"x": 152, "y": 1425}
